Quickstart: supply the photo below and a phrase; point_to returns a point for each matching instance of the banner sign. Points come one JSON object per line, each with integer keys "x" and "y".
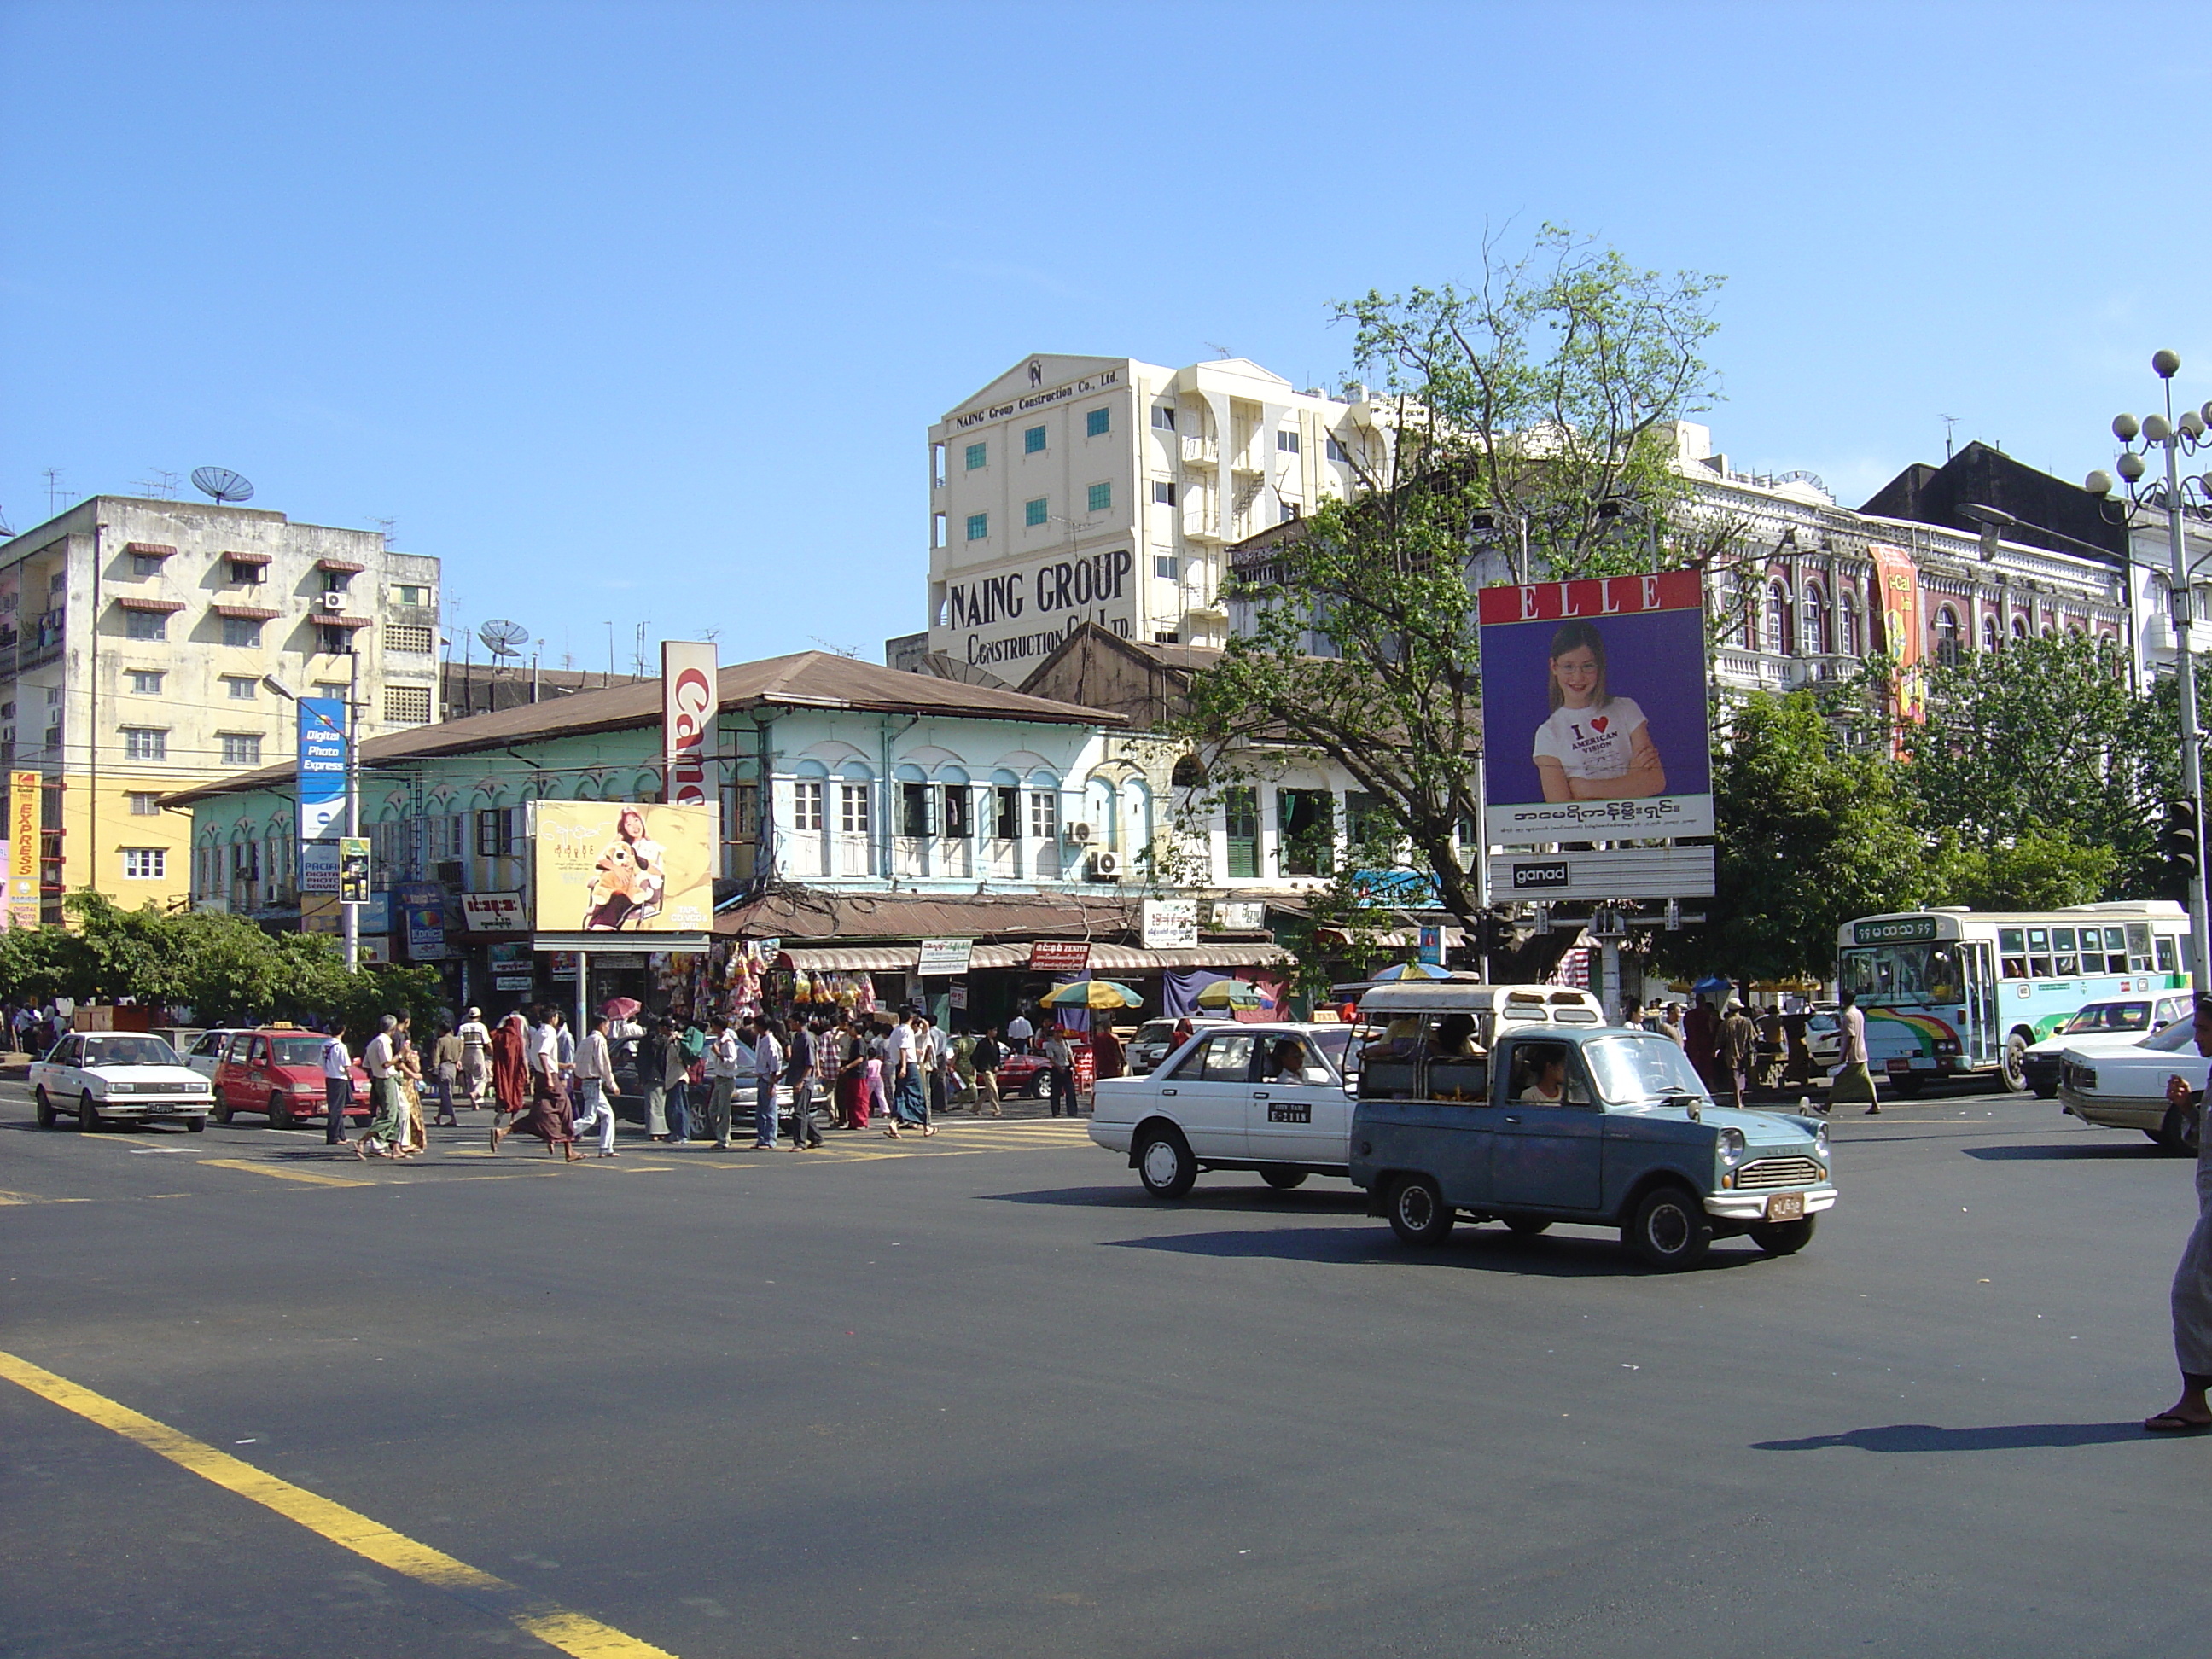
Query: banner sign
{"x": 493, "y": 913}
{"x": 421, "y": 906}
{"x": 1060, "y": 956}
{"x": 623, "y": 866}
{"x": 689, "y": 703}
{"x": 23, "y": 872}
{"x": 352, "y": 870}
{"x": 945, "y": 958}
{"x": 1616, "y": 872}
{"x": 322, "y": 773}
{"x": 1170, "y": 924}
{"x": 1594, "y": 710}
{"x": 1896, "y": 596}
{"x": 318, "y": 866}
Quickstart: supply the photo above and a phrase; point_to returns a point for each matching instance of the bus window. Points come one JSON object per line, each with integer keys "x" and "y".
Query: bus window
{"x": 2011, "y": 946}
{"x": 2138, "y": 947}
{"x": 2166, "y": 958}
{"x": 2063, "y": 960}
{"x": 1945, "y": 982}
{"x": 2038, "y": 953}
{"x": 2116, "y": 951}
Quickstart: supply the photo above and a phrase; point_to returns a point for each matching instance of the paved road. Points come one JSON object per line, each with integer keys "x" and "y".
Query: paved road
{"x": 979, "y": 1396}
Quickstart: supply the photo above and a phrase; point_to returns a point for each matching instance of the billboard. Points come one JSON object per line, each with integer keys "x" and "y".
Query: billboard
{"x": 1170, "y": 924}
{"x": 23, "y": 869}
{"x": 622, "y": 867}
{"x": 1594, "y": 702}
{"x": 322, "y": 775}
{"x": 689, "y": 701}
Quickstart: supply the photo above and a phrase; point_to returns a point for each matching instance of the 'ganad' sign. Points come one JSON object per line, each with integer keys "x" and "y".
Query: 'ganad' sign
{"x": 1039, "y": 399}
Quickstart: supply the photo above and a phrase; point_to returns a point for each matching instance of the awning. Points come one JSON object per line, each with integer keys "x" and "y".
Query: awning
{"x": 1128, "y": 959}
{"x": 343, "y": 567}
{"x": 342, "y": 621}
{"x": 246, "y": 612}
{"x": 151, "y": 550}
{"x": 852, "y": 959}
{"x": 896, "y": 958}
{"x": 250, "y": 558}
{"x": 164, "y": 607}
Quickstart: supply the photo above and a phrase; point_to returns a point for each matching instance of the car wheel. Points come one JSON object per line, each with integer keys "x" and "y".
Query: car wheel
{"x": 195, "y": 1125}
{"x": 1418, "y": 1214}
{"x": 1283, "y": 1180}
{"x": 221, "y": 1109}
{"x": 1670, "y": 1230}
{"x": 1164, "y": 1165}
{"x": 2012, "y": 1068}
{"x": 1782, "y": 1237}
{"x": 2178, "y": 1133}
{"x": 1527, "y": 1226}
{"x": 2046, "y": 1092}
{"x": 280, "y": 1115}
{"x": 87, "y": 1114}
{"x": 47, "y": 1116}
{"x": 1037, "y": 1087}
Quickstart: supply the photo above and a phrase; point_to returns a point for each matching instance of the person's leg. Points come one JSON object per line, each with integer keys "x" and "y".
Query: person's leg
{"x": 718, "y": 1111}
{"x": 987, "y": 1093}
{"x": 337, "y": 1095}
{"x": 679, "y": 1112}
{"x": 2192, "y": 1331}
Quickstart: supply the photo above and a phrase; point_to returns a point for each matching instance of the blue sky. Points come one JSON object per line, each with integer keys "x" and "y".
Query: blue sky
{"x": 640, "y": 313}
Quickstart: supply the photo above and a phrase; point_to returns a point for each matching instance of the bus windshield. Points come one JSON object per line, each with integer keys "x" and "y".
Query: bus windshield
{"x": 1903, "y": 973}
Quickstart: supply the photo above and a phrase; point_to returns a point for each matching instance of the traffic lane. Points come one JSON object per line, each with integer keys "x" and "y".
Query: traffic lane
{"x": 1036, "y": 1428}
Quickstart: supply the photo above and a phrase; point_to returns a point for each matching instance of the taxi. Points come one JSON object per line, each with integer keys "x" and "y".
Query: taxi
{"x": 278, "y": 1070}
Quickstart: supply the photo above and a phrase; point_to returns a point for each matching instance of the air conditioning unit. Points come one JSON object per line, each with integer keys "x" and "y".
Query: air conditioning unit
{"x": 1081, "y": 834}
{"x": 451, "y": 873}
{"x": 333, "y": 601}
{"x": 1106, "y": 867}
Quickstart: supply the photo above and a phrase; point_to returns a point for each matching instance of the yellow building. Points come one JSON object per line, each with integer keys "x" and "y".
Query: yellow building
{"x": 134, "y": 636}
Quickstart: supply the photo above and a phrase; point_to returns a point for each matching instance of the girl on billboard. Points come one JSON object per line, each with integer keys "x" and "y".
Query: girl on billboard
{"x": 1594, "y": 746}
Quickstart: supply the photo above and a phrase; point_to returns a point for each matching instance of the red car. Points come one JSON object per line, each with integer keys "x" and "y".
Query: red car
{"x": 279, "y": 1070}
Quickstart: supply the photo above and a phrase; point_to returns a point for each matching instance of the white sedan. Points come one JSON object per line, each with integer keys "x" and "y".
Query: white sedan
{"x": 2125, "y": 1088}
{"x": 121, "y": 1076}
{"x": 1269, "y": 1098}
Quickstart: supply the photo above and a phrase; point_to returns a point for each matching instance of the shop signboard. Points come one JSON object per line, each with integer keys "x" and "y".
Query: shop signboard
{"x": 621, "y": 867}
{"x": 960, "y": 996}
{"x": 1619, "y": 872}
{"x": 944, "y": 958}
{"x": 1594, "y": 701}
{"x": 318, "y": 866}
{"x": 1432, "y": 947}
{"x": 23, "y": 874}
{"x": 319, "y": 912}
{"x": 1240, "y": 916}
{"x": 512, "y": 966}
{"x": 1170, "y": 924}
{"x": 321, "y": 778}
{"x": 493, "y": 913}
{"x": 688, "y": 704}
{"x": 421, "y": 907}
{"x": 561, "y": 964}
{"x": 1060, "y": 956}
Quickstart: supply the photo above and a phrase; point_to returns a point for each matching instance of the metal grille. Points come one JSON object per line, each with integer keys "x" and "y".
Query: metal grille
{"x": 1778, "y": 1172}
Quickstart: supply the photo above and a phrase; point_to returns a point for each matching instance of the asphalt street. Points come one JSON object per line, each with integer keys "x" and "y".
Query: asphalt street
{"x": 978, "y": 1395}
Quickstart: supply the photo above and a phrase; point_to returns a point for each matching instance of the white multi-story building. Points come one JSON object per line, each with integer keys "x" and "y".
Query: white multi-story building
{"x": 1105, "y": 490}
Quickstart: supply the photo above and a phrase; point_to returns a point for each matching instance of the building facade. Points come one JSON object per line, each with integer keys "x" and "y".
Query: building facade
{"x": 134, "y": 636}
{"x": 1105, "y": 490}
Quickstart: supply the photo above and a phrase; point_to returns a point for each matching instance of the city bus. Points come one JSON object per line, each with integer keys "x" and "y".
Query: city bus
{"x": 1950, "y": 992}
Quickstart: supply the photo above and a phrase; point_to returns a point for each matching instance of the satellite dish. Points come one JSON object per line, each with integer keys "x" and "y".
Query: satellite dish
{"x": 222, "y": 484}
{"x": 501, "y": 638}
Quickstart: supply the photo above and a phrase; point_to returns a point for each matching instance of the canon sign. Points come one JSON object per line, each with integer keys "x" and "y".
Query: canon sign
{"x": 688, "y": 706}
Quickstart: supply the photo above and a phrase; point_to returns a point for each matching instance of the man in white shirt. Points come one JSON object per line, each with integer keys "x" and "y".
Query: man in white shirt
{"x": 475, "y": 1054}
{"x": 903, "y": 1059}
{"x": 768, "y": 1066}
{"x": 724, "y": 1056}
{"x": 543, "y": 1051}
{"x": 595, "y": 1073}
{"x": 338, "y": 1086}
{"x": 1018, "y": 1033}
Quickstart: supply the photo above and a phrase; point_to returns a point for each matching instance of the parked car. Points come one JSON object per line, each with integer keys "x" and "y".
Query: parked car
{"x": 205, "y": 1051}
{"x": 1271, "y": 1098}
{"x": 2125, "y": 1088}
{"x": 278, "y": 1070}
{"x": 1607, "y": 1127}
{"x": 1156, "y": 1040}
{"x": 2099, "y": 1028}
{"x": 117, "y": 1077}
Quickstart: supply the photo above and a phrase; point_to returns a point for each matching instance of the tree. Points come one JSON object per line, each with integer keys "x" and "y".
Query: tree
{"x": 2034, "y": 872}
{"x": 1529, "y": 415}
{"x": 1810, "y": 836}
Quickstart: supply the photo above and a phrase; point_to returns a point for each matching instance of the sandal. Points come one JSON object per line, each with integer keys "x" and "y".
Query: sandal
{"x": 2168, "y": 1423}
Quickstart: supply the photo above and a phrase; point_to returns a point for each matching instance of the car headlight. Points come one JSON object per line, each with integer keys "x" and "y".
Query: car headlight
{"x": 1731, "y": 1146}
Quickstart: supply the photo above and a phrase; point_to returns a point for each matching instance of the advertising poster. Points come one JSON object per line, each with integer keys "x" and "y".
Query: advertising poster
{"x": 1897, "y": 598}
{"x": 688, "y": 705}
{"x": 1170, "y": 924}
{"x": 322, "y": 773}
{"x": 1594, "y": 702}
{"x": 420, "y": 909}
{"x": 622, "y": 867}
{"x": 945, "y": 958}
{"x": 318, "y": 867}
{"x": 23, "y": 872}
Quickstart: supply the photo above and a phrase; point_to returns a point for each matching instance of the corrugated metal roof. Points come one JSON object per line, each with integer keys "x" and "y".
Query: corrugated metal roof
{"x": 805, "y": 679}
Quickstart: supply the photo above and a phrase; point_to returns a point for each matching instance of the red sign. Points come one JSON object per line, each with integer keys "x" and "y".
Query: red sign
{"x": 688, "y": 705}
{"x": 1614, "y": 596}
{"x": 1060, "y": 956}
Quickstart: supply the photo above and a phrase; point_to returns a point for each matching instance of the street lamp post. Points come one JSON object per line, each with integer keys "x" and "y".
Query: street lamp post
{"x": 2176, "y": 436}
{"x": 348, "y": 915}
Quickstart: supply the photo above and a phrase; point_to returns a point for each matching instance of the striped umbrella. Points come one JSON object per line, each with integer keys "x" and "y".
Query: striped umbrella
{"x": 1093, "y": 994}
{"x": 1413, "y": 970}
{"x": 1233, "y": 993}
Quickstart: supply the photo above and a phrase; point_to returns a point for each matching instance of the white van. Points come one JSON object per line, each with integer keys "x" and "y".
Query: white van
{"x": 1496, "y": 1008}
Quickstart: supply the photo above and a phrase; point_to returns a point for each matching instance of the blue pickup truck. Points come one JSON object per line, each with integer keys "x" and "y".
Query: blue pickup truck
{"x": 1603, "y": 1126}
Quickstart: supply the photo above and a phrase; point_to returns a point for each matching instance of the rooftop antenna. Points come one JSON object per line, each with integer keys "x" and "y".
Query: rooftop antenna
{"x": 160, "y": 482}
{"x": 503, "y": 638}
{"x": 220, "y": 483}
{"x": 637, "y": 661}
{"x": 1221, "y": 350}
{"x": 385, "y": 525}
{"x": 53, "y": 475}
{"x": 1949, "y": 422}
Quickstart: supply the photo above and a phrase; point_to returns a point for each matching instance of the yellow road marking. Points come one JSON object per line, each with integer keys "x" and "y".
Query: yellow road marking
{"x": 34, "y": 1198}
{"x": 573, "y": 1633}
{"x": 281, "y": 1173}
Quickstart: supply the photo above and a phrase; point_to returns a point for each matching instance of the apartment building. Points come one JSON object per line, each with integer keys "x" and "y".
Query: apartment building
{"x": 134, "y": 636}
{"x": 1105, "y": 491}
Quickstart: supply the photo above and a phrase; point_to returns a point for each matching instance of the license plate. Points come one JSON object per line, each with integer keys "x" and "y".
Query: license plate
{"x": 1900, "y": 1065}
{"x": 1785, "y": 1206}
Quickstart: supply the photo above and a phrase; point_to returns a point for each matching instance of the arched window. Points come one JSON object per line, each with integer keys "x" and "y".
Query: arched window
{"x": 1847, "y": 627}
{"x": 2020, "y": 625}
{"x": 1991, "y": 639}
{"x": 1812, "y": 620}
{"x": 1190, "y": 773}
{"x": 1774, "y": 621}
{"x": 1947, "y": 637}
